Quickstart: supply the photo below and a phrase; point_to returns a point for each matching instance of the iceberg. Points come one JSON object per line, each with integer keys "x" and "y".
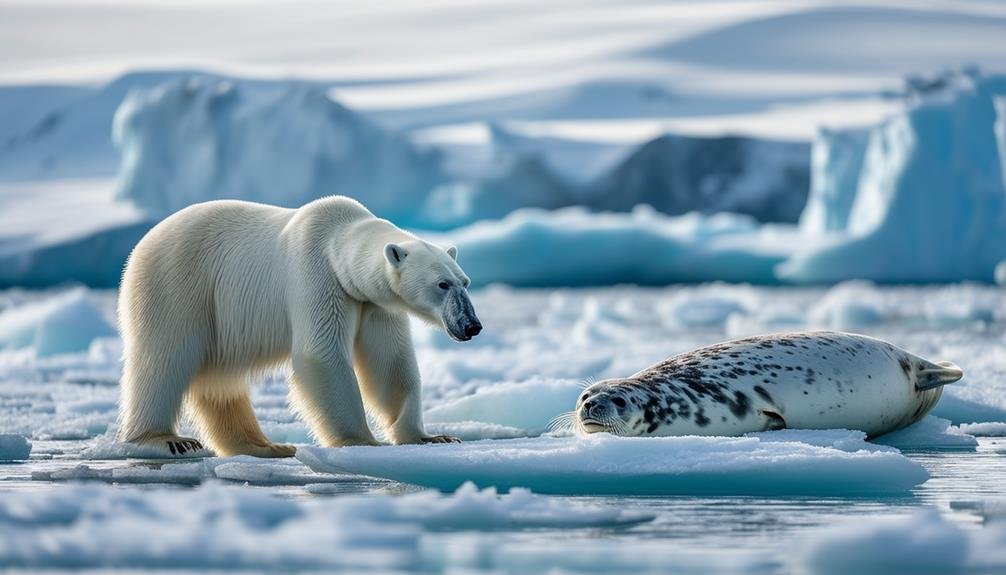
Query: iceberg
{"x": 836, "y": 163}
{"x": 196, "y": 139}
{"x": 929, "y": 203}
{"x": 605, "y": 464}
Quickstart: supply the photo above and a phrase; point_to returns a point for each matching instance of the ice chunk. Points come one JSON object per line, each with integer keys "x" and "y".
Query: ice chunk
{"x": 242, "y": 469}
{"x": 706, "y": 308}
{"x": 930, "y": 433}
{"x": 921, "y": 543}
{"x": 65, "y": 323}
{"x": 100, "y": 526}
{"x": 197, "y": 139}
{"x": 842, "y": 439}
{"x": 988, "y": 429}
{"x": 604, "y": 464}
{"x": 14, "y": 448}
{"x": 984, "y": 406}
{"x": 848, "y": 305}
{"x": 528, "y": 405}
{"x": 472, "y": 508}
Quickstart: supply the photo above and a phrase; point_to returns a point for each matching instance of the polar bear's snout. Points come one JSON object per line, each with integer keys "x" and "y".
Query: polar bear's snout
{"x": 459, "y": 316}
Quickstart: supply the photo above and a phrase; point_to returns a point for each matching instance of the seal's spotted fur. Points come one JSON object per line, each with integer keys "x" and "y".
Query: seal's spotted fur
{"x": 804, "y": 380}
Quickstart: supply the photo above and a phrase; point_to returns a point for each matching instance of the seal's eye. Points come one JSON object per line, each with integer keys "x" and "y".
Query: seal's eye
{"x": 583, "y": 397}
{"x": 618, "y": 401}
{"x": 443, "y": 285}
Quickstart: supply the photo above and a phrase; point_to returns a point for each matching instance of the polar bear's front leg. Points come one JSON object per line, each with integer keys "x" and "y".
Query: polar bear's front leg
{"x": 389, "y": 376}
{"x": 325, "y": 392}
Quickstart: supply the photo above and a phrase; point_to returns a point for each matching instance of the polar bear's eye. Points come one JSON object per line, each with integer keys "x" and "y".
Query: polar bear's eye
{"x": 443, "y": 285}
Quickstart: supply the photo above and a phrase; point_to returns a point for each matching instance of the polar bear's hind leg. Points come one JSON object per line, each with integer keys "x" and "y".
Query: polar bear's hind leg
{"x": 226, "y": 419}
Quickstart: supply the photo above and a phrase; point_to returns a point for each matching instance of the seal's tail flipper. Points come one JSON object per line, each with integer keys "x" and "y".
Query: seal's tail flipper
{"x": 932, "y": 375}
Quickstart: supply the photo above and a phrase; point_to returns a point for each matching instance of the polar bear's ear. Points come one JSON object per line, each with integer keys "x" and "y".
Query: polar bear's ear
{"x": 453, "y": 252}
{"x": 395, "y": 254}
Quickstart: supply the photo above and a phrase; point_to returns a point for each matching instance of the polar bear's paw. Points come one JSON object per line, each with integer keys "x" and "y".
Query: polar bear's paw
{"x": 174, "y": 447}
{"x": 441, "y": 439}
{"x": 270, "y": 450}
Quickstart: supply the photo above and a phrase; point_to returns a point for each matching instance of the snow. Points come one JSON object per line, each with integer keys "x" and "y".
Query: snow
{"x": 604, "y": 464}
{"x": 64, "y": 324}
{"x": 195, "y": 139}
{"x": 14, "y": 448}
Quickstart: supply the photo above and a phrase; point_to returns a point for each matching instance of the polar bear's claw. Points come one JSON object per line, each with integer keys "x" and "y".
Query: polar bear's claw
{"x": 175, "y": 447}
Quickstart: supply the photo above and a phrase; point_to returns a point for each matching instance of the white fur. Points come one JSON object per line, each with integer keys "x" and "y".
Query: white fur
{"x": 225, "y": 289}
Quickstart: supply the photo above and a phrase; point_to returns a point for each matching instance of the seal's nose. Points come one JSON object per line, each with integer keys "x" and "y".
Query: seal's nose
{"x": 473, "y": 329}
{"x": 596, "y": 409}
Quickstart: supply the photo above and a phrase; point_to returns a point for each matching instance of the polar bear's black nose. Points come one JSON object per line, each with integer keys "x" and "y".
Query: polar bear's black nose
{"x": 473, "y": 329}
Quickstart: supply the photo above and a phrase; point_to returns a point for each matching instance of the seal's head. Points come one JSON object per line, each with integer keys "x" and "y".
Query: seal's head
{"x": 604, "y": 406}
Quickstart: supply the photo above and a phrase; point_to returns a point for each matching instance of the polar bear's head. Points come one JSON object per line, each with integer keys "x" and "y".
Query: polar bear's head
{"x": 433, "y": 286}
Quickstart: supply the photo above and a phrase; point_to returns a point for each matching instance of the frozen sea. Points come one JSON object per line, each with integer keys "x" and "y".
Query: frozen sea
{"x": 76, "y": 503}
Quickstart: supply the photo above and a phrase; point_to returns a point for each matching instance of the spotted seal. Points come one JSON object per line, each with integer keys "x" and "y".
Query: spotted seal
{"x": 803, "y": 380}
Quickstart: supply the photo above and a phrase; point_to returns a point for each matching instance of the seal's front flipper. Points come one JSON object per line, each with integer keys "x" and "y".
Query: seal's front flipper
{"x": 774, "y": 421}
{"x": 933, "y": 375}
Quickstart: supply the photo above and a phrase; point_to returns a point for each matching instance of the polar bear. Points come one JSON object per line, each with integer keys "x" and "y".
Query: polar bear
{"x": 223, "y": 290}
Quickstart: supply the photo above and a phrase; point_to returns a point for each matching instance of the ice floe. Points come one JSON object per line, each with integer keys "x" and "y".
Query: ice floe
{"x": 604, "y": 464}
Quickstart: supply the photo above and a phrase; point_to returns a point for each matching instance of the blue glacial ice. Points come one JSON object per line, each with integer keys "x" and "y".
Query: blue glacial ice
{"x": 929, "y": 202}
{"x": 917, "y": 198}
{"x": 575, "y": 247}
{"x": 14, "y": 448}
{"x": 605, "y": 464}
